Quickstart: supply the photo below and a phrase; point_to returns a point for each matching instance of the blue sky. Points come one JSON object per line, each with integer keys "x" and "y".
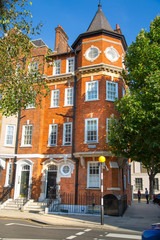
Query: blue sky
{"x": 75, "y": 16}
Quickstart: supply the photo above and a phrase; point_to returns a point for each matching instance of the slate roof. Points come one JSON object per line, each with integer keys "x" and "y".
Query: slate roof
{"x": 38, "y": 43}
{"x": 99, "y": 22}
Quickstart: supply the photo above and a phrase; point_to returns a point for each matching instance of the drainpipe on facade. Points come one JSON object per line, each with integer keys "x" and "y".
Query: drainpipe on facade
{"x": 73, "y": 134}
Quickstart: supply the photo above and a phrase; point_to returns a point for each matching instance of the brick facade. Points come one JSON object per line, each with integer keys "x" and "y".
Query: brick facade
{"x": 41, "y": 155}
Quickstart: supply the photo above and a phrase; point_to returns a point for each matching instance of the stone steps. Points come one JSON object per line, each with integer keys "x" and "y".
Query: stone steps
{"x": 20, "y": 203}
{"x": 35, "y": 206}
{"x": 14, "y": 204}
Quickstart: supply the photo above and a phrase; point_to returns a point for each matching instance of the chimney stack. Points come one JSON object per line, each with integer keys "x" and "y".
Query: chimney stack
{"x": 118, "y": 30}
{"x": 61, "y": 41}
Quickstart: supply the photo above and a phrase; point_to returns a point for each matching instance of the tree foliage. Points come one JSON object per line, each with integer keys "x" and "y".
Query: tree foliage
{"x": 19, "y": 86}
{"x": 136, "y": 133}
{"x": 15, "y": 14}
{"x": 143, "y": 56}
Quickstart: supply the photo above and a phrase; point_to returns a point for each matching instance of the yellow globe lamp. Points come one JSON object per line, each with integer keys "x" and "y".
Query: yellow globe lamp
{"x": 102, "y": 159}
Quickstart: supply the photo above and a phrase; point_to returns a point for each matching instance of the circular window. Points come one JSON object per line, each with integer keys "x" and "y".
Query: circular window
{"x": 112, "y": 54}
{"x": 65, "y": 169}
{"x": 92, "y": 53}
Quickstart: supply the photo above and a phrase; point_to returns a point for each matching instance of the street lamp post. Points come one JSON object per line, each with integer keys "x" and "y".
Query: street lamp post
{"x": 102, "y": 160}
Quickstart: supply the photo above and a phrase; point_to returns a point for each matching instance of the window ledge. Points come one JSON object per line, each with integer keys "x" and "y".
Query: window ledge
{"x": 68, "y": 105}
{"x": 29, "y": 108}
{"x": 98, "y": 188}
{"x": 9, "y": 146}
{"x": 25, "y": 146}
{"x": 54, "y": 107}
{"x": 89, "y": 143}
{"x": 91, "y": 100}
{"x": 109, "y": 100}
{"x": 66, "y": 145}
{"x": 51, "y": 146}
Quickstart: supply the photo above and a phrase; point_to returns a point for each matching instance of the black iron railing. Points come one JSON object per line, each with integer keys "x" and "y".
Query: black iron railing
{"x": 6, "y": 194}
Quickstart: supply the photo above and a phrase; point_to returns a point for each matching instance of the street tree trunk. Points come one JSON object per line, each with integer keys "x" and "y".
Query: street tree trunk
{"x": 151, "y": 178}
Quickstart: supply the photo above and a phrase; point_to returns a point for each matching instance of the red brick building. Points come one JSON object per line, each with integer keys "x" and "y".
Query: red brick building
{"x": 60, "y": 143}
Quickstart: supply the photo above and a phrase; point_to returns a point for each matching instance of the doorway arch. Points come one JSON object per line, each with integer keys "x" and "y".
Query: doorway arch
{"x": 23, "y": 179}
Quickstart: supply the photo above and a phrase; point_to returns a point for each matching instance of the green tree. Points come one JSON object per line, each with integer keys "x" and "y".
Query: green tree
{"x": 19, "y": 86}
{"x": 136, "y": 133}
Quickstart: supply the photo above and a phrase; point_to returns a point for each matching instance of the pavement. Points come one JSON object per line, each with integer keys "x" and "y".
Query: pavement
{"x": 138, "y": 217}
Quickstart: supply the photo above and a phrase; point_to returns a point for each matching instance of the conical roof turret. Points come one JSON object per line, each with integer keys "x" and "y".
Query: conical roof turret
{"x": 99, "y": 22}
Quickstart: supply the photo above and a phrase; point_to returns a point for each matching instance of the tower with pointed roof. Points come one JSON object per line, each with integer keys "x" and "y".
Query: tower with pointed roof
{"x": 100, "y": 52}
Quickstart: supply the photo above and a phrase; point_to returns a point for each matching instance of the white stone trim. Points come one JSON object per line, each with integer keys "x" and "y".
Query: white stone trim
{"x": 112, "y": 49}
{"x": 89, "y": 49}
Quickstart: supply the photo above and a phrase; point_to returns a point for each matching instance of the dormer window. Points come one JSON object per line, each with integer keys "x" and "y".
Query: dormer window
{"x": 57, "y": 67}
{"x": 92, "y": 53}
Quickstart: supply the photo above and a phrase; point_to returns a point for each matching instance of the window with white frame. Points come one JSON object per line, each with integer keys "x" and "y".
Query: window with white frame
{"x": 138, "y": 183}
{"x": 68, "y": 96}
{"x": 156, "y": 184}
{"x": 9, "y": 174}
{"x": 111, "y": 90}
{"x": 27, "y": 135}
{"x": 55, "y": 98}
{"x": 70, "y": 65}
{"x": 91, "y": 130}
{"x": 91, "y": 90}
{"x": 33, "y": 67}
{"x": 67, "y": 134}
{"x": 93, "y": 175}
{"x": 57, "y": 67}
{"x": 108, "y": 124}
{"x": 53, "y": 134}
{"x": 9, "y": 139}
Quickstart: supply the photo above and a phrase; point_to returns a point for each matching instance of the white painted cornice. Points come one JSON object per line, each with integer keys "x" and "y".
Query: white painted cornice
{"x": 93, "y": 154}
{"x": 59, "y": 77}
{"x": 99, "y": 67}
{"x": 64, "y": 156}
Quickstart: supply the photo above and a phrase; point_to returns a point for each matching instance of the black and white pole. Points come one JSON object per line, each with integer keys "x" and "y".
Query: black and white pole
{"x": 102, "y": 161}
{"x": 102, "y": 205}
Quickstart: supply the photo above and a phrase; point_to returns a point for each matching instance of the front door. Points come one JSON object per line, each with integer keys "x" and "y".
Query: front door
{"x": 51, "y": 182}
{"x": 24, "y": 181}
